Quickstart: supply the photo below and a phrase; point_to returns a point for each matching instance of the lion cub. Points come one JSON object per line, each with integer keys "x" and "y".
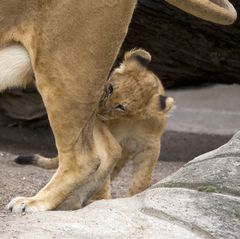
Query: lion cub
{"x": 134, "y": 108}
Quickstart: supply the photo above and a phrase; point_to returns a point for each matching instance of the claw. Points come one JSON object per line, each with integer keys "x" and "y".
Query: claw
{"x": 21, "y": 205}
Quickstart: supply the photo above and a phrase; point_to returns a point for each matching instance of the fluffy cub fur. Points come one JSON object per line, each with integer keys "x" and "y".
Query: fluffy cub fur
{"x": 134, "y": 108}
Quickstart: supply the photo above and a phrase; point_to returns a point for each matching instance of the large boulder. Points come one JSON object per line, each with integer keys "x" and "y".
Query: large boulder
{"x": 201, "y": 200}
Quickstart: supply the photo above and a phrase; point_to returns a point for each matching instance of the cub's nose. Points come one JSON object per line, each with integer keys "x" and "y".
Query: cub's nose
{"x": 166, "y": 103}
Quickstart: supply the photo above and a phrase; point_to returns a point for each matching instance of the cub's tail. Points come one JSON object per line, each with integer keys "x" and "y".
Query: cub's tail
{"x": 38, "y": 160}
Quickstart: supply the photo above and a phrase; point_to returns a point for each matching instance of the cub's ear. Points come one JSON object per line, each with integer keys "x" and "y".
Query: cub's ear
{"x": 141, "y": 56}
{"x": 165, "y": 103}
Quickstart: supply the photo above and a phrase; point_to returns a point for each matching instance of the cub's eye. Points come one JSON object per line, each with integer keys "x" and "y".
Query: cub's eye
{"x": 120, "y": 107}
{"x": 108, "y": 88}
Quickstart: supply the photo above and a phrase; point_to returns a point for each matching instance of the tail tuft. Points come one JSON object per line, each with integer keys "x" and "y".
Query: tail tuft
{"x": 25, "y": 159}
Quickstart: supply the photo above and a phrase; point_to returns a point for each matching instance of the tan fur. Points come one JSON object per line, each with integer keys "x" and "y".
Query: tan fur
{"x": 138, "y": 128}
{"x": 72, "y": 45}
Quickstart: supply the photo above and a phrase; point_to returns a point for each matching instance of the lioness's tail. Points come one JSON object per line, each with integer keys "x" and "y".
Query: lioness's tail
{"x": 38, "y": 160}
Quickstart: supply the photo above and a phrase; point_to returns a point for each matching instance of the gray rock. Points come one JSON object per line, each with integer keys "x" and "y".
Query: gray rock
{"x": 121, "y": 218}
{"x": 208, "y": 215}
{"x": 216, "y": 171}
{"x": 200, "y": 201}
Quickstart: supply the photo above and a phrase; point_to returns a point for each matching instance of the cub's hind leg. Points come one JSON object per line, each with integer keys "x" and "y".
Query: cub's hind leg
{"x": 143, "y": 166}
{"x": 120, "y": 164}
{"x": 104, "y": 193}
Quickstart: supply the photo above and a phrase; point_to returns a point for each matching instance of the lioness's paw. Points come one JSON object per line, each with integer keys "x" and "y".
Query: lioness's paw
{"x": 23, "y": 204}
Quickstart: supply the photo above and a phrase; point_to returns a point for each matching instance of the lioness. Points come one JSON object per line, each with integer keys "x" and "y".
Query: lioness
{"x": 134, "y": 108}
{"x": 55, "y": 34}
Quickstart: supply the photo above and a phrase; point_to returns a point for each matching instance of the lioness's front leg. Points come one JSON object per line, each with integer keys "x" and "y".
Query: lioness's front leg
{"x": 71, "y": 54}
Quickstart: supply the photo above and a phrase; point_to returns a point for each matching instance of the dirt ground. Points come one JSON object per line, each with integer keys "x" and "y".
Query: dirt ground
{"x": 18, "y": 180}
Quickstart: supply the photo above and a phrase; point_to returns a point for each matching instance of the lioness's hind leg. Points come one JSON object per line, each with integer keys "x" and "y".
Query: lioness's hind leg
{"x": 143, "y": 166}
{"x": 38, "y": 160}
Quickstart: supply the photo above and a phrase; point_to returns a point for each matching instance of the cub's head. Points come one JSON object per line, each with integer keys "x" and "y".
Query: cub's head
{"x": 133, "y": 91}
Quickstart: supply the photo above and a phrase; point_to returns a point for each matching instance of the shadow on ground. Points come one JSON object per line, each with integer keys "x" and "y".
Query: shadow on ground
{"x": 176, "y": 146}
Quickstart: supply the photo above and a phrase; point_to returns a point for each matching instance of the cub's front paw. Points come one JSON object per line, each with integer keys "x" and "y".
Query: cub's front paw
{"x": 23, "y": 204}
